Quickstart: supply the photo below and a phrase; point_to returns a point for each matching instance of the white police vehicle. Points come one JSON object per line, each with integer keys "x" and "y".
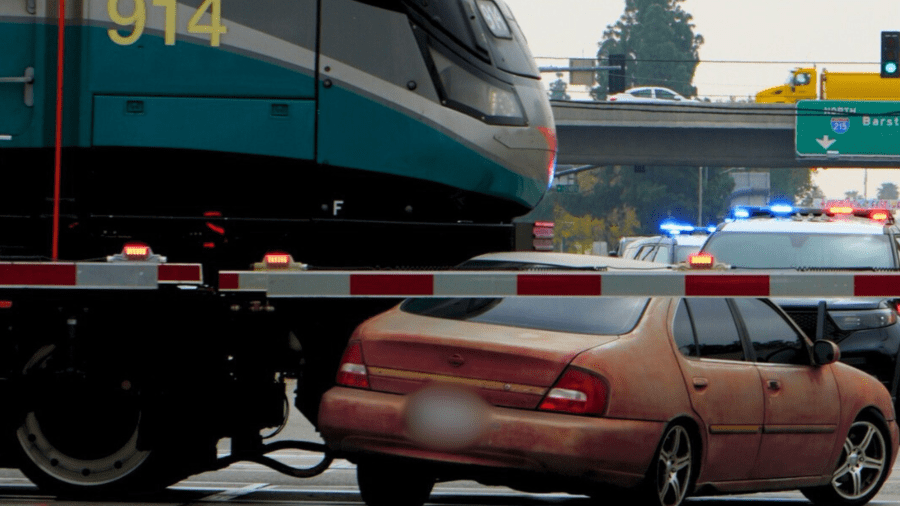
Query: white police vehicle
{"x": 678, "y": 243}
{"x": 835, "y": 238}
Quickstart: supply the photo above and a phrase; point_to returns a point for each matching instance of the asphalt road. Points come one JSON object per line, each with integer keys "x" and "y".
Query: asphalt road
{"x": 250, "y": 484}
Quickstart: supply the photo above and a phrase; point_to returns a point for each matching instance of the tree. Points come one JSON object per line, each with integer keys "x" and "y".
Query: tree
{"x": 635, "y": 203}
{"x": 808, "y": 198}
{"x": 888, "y": 191}
{"x": 851, "y": 195}
{"x": 558, "y": 89}
{"x": 659, "y": 44}
{"x": 789, "y": 185}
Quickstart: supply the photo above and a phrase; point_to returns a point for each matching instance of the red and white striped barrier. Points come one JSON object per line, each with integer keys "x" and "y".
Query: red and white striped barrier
{"x": 97, "y": 275}
{"x": 284, "y": 284}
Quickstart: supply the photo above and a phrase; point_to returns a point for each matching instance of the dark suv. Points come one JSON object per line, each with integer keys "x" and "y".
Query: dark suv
{"x": 866, "y": 329}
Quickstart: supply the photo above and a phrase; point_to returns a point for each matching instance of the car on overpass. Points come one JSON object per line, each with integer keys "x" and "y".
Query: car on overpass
{"x": 631, "y": 400}
{"x": 649, "y": 94}
{"x": 840, "y": 237}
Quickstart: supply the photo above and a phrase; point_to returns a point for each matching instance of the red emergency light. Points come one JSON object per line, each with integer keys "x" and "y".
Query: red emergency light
{"x": 840, "y": 210}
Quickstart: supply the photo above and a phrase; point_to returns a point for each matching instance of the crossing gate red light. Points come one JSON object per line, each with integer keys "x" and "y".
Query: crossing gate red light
{"x": 278, "y": 260}
{"x": 701, "y": 260}
{"x": 136, "y": 252}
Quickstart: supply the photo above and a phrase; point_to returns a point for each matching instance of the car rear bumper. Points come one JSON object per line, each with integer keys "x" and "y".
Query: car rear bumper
{"x": 615, "y": 451}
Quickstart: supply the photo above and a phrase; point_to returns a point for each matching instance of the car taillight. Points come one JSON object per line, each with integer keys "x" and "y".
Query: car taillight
{"x": 879, "y": 215}
{"x": 700, "y": 260}
{"x": 352, "y": 371}
{"x": 577, "y": 392}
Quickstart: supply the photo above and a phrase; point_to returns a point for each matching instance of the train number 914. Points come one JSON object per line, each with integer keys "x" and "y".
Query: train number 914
{"x": 138, "y": 20}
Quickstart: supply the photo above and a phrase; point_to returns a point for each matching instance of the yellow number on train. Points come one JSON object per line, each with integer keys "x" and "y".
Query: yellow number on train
{"x": 170, "y": 6}
{"x": 138, "y": 18}
{"x": 214, "y": 28}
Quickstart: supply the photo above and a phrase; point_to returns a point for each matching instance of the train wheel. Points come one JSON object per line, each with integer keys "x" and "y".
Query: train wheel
{"x": 81, "y": 437}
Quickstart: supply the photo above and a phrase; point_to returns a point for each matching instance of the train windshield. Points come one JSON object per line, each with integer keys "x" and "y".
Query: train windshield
{"x": 513, "y": 54}
{"x": 485, "y": 28}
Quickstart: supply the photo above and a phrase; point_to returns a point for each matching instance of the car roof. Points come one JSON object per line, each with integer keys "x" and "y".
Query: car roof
{"x": 686, "y": 239}
{"x": 648, "y": 88}
{"x": 690, "y": 240}
{"x": 786, "y": 225}
{"x": 569, "y": 260}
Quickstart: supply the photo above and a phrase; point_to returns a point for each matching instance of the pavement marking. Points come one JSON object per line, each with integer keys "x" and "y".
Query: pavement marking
{"x": 228, "y": 495}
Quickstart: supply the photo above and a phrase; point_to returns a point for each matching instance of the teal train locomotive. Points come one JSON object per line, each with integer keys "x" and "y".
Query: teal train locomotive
{"x": 220, "y": 128}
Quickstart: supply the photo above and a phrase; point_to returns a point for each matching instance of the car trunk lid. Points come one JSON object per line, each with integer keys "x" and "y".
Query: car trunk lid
{"x": 508, "y": 366}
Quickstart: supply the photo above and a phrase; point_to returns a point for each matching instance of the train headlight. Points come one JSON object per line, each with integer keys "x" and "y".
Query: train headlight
{"x": 482, "y": 96}
{"x": 494, "y": 19}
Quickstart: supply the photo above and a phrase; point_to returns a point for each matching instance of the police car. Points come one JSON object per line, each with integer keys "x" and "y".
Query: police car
{"x": 839, "y": 237}
{"x": 678, "y": 243}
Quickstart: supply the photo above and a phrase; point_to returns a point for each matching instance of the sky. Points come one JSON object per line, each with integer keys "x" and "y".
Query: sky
{"x": 782, "y": 33}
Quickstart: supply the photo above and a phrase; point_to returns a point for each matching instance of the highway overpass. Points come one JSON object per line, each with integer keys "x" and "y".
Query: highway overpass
{"x": 694, "y": 134}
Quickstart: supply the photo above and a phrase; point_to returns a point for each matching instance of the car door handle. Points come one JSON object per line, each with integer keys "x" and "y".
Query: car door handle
{"x": 701, "y": 383}
{"x": 774, "y": 385}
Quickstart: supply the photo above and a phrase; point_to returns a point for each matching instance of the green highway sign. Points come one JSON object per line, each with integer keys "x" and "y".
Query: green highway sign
{"x": 847, "y": 129}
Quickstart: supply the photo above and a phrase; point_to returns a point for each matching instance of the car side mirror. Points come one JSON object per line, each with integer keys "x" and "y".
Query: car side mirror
{"x": 826, "y": 352}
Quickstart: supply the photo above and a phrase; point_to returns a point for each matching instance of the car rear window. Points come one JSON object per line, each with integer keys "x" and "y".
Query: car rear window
{"x": 801, "y": 250}
{"x": 582, "y": 315}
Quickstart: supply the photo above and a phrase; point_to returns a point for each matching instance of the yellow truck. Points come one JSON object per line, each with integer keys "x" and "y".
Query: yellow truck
{"x": 803, "y": 85}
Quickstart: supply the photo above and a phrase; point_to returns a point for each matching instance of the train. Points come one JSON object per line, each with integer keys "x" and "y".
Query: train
{"x": 343, "y": 133}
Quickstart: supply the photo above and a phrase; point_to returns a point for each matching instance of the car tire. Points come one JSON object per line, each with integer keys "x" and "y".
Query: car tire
{"x": 861, "y": 469}
{"x": 385, "y": 482}
{"x": 671, "y": 474}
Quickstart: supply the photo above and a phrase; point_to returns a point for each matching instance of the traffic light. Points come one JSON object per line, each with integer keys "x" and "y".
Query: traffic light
{"x": 890, "y": 54}
{"x": 617, "y": 76}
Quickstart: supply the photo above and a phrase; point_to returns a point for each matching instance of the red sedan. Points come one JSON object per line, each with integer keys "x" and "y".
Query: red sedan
{"x": 657, "y": 398}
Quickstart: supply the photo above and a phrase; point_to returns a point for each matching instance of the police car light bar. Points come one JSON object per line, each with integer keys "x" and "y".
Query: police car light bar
{"x": 675, "y": 228}
{"x": 782, "y": 208}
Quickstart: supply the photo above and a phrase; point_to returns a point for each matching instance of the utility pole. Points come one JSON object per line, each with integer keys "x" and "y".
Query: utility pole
{"x": 699, "y": 196}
